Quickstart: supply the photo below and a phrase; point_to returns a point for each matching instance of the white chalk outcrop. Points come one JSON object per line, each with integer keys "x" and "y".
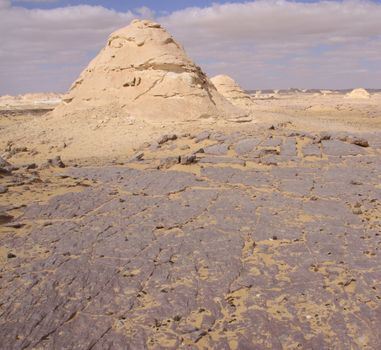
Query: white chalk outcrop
{"x": 144, "y": 72}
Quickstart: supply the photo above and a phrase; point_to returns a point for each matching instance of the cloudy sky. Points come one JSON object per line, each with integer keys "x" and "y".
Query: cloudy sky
{"x": 45, "y": 44}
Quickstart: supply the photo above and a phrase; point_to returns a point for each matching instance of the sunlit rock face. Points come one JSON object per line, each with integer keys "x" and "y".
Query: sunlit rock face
{"x": 143, "y": 71}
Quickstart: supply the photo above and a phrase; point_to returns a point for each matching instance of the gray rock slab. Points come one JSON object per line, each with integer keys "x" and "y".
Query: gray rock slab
{"x": 339, "y": 148}
{"x": 283, "y": 257}
{"x": 312, "y": 150}
{"x": 246, "y": 146}
{"x": 288, "y": 148}
{"x": 218, "y": 149}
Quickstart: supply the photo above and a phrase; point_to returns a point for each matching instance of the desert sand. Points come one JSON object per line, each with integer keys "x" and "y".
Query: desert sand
{"x": 154, "y": 208}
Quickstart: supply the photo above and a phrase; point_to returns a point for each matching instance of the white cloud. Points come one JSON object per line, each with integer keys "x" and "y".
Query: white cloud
{"x": 145, "y": 12}
{"x": 46, "y": 49}
{"x": 35, "y": 1}
{"x": 5, "y": 4}
{"x": 263, "y": 44}
{"x": 268, "y": 44}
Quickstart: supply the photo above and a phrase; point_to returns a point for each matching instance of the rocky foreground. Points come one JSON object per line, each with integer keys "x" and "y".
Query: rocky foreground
{"x": 240, "y": 241}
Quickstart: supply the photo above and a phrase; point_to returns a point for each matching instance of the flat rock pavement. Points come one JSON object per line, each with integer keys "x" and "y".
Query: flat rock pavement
{"x": 262, "y": 241}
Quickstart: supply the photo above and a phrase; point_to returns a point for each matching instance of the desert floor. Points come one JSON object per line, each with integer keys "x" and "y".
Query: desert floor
{"x": 223, "y": 235}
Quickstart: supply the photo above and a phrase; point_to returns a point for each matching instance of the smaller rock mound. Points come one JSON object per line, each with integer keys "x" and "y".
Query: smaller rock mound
{"x": 358, "y": 93}
{"x": 229, "y": 88}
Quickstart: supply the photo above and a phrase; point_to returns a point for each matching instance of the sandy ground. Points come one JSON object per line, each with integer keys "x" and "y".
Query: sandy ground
{"x": 315, "y": 112}
{"x": 105, "y": 136}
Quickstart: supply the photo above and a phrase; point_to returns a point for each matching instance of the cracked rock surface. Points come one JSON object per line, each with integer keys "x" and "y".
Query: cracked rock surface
{"x": 267, "y": 241}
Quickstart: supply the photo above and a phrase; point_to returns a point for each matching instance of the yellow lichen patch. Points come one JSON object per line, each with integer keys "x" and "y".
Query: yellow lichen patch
{"x": 278, "y": 309}
{"x": 317, "y": 315}
{"x": 163, "y": 338}
{"x": 172, "y": 231}
{"x": 3, "y": 255}
{"x": 203, "y": 272}
{"x": 303, "y": 217}
{"x": 232, "y": 310}
{"x": 362, "y": 341}
{"x": 248, "y": 248}
{"x": 146, "y": 301}
{"x": 266, "y": 257}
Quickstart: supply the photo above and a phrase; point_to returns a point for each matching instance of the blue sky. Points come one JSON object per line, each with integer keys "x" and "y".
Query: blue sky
{"x": 262, "y": 44}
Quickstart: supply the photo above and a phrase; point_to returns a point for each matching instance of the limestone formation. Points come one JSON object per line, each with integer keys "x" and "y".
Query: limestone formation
{"x": 358, "y": 94}
{"x": 144, "y": 72}
{"x": 229, "y": 88}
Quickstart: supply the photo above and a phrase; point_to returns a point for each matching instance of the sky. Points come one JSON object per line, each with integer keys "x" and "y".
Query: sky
{"x": 264, "y": 44}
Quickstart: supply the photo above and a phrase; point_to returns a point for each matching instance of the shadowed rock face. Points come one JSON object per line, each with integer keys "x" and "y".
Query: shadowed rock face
{"x": 143, "y": 71}
{"x": 279, "y": 251}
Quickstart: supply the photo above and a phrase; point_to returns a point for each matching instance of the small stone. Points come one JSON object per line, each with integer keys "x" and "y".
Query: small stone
{"x": 5, "y": 167}
{"x": 354, "y": 182}
{"x": 188, "y": 159}
{"x": 268, "y": 151}
{"x": 154, "y": 146}
{"x": 15, "y": 225}
{"x": 241, "y": 120}
{"x": 30, "y": 166}
{"x": 11, "y": 256}
{"x": 359, "y": 142}
{"x": 165, "y": 138}
{"x": 217, "y": 136}
{"x": 54, "y": 162}
{"x": 3, "y": 189}
{"x": 324, "y": 136}
{"x": 202, "y": 136}
{"x": 137, "y": 157}
{"x": 168, "y": 162}
{"x": 4, "y": 163}
{"x": 185, "y": 147}
{"x": 4, "y": 217}
{"x": 357, "y": 211}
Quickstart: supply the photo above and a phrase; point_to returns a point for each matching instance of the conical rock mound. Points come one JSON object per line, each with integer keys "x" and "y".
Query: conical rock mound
{"x": 358, "y": 93}
{"x": 229, "y": 88}
{"x": 144, "y": 72}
